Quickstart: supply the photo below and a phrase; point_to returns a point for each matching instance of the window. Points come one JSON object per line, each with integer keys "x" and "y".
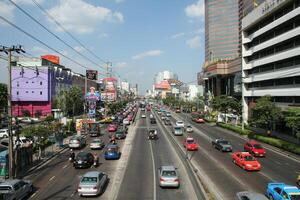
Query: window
{"x": 32, "y": 92}
{"x": 26, "y": 91}
{"x": 41, "y": 92}
{"x": 297, "y": 79}
{"x": 18, "y": 84}
{"x": 278, "y": 190}
{"x": 284, "y": 46}
{"x": 17, "y": 92}
{"x": 26, "y": 82}
{"x": 284, "y": 63}
{"x": 41, "y": 83}
{"x": 266, "y": 83}
{"x": 284, "y": 81}
{"x": 32, "y": 82}
{"x": 265, "y": 68}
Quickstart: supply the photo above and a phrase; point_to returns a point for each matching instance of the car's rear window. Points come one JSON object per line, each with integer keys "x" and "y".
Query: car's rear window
{"x": 169, "y": 173}
{"x": 89, "y": 180}
{"x": 257, "y": 146}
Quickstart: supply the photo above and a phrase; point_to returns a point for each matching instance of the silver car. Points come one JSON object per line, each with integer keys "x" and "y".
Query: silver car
{"x": 97, "y": 144}
{"x": 92, "y": 183}
{"x": 16, "y": 189}
{"x": 77, "y": 142}
{"x": 177, "y": 130}
{"x": 168, "y": 177}
{"x": 249, "y": 196}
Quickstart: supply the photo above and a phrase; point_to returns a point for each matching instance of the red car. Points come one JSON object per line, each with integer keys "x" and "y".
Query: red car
{"x": 112, "y": 128}
{"x": 246, "y": 161}
{"x": 130, "y": 117}
{"x": 199, "y": 120}
{"x": 190, "y": 144}
{"x": 255, "y": 148}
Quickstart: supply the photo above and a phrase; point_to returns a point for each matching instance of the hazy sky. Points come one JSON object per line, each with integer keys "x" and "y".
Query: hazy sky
{"x": 139, "y": 37}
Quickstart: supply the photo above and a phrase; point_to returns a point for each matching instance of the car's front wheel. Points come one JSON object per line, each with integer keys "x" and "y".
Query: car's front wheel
{"x": 271, "y": 197}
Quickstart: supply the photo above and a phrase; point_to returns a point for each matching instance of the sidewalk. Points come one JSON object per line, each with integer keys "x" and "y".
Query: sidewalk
{"x": 47, "y": 154}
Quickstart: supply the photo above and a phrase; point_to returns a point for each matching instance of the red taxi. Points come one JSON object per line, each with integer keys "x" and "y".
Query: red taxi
{"x": 255, "y": 148}
{"x": 190, "y": 144}
{"x": 246, "y": 161}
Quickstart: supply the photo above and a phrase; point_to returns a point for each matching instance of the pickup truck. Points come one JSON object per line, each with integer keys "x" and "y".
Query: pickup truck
{"x": 281, "y": 191}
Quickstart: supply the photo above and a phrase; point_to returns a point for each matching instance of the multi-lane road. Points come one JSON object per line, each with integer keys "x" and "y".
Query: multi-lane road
{"x": 134, "y": 176}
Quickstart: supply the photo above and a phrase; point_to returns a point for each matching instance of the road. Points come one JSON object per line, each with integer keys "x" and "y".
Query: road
{"x": 225, "y": 178}
{"x": 59, "y": 179}
{"x": 140, "y": 180}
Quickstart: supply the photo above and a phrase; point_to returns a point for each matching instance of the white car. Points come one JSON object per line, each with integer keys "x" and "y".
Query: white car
{"x": 180, "y": 124}
{"x": 126, "y": 121}
{"x": 77, "y": 142}
{"x": 189, "y": 128}
{"x": 143, "y": 116}
{"x": 92, "y": 183}
{"x": 4, "y": 133}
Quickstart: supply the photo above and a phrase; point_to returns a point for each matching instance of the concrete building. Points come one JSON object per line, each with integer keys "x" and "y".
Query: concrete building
{"x": 125, "y": 86}
{"x": 36, "y": 82}
{"x": 271, "y": 54}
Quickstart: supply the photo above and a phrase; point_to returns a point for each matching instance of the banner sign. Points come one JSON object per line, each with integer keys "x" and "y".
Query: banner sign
{"x": 108, "y": 96}
{"x": 92, "y": 74}
{"x": 92, "y": 97}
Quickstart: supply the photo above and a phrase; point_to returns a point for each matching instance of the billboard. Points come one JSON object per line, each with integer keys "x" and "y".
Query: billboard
{"x": 92, "y": 74}
{"x": 91, "y": 98}
{"x": 108, "y": 96}
{"x": 51, "y": 58}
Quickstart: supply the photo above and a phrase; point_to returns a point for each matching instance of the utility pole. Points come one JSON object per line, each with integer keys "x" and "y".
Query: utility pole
{"x": 108, "y": 64}
{"x": 8, "y": 51}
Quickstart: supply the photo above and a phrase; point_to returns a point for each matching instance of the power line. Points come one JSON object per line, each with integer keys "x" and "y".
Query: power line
{"x": 66, "y": 31}
{"x": 53, "y": 34}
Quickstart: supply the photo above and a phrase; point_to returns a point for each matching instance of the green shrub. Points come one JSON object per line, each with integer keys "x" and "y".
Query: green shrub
{"x": 236, "y": 129}
{"x": 294, "y": 148}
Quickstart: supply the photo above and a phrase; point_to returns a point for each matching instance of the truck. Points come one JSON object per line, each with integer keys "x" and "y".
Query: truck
{"x": 281, "y": 191}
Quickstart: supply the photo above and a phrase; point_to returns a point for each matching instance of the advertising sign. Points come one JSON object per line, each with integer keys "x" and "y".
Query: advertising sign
{"x": 108, "y": 96}
{"x": 92, "y": 74}
{"x": 92, "y": 97}
{"x": 51, "y": 58}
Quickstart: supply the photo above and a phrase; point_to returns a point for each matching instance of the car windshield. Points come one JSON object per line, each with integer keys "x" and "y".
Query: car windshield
{"x": 177, "y": 129}
{"x": 169, "y": 173}
{"x": 257, "y": 146}
{"x": 89, "y": 180}
{"x": 96, "y": 141}
{"x": 81, "y": 155}
{"x": 179, "y": 122}
{"x": 190, "y": 141}
{"x": 224, "y": 142}
{"x": 249, "y": 158}
{"x": 111, "y": 150}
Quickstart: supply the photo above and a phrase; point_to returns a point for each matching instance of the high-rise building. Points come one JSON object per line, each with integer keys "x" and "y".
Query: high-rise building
{"x": 271, "y": 54}
{"x": 164, "y": 75}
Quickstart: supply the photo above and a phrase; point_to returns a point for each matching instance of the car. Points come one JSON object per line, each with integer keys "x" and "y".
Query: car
{"x": 152, "y": 134}
{"x": 222, "y": 145}
{"x": 177, "y": 130}
{"x": 168, "y": 114}
{"x": 246, "y": 195}
{"x": 26, "y": 120}
{"x": 190, "y": 144}
{"x": 92, "y": 183}
{"x": 189, "y": 129}
{"x": 112, "y": 128}
{"x": 246, "y": 161}
{"x": 168, "y": 177}
{"x": 167, "y": 122}
{"x": 178, "y": 111}
{"x": 97, "y": 144}
{"x": 83, "y": 160}
{"x": 16, "y": 189}
{"x": 120, "y": 134}
{"x": 153, "y": 121}
{"x": 255, "y": 148}
{"x": 163, "y": 117}
{"x": 142, "y": 109}
{"x": 106, "y": 120}
{"x": 143, "y": 116}
{"x": 179, "y": 124}
{"x": 112, "y": 152}
{"x": 77, "y": 142}
{"x": 130, "y": 117}
{"x": 199, "y": 120}
{"x": 4, "y": 133}
{"x": 281, "y": 191}
{"x": 126, "y": 121}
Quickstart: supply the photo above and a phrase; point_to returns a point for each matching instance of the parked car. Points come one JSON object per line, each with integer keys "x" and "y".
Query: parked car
{"x": 246, "y": 195}
{"x": 177, "y": 130}
{"x": 168, "y": 177}
{"x": 222, "y": 145}
{"x": 77, "y": 142}
{"x": 255, "y": 148}
{"x": 246, "y": 161}
{"x": 190, "y": 144}
{"x": 179, "y": 124}
{"x": 16, "y": 189}
{"x": 112, "y": 152}
{"x": 4, "y": 133}
{"x": 281, "y": 191}
{"x": 83, "y": 160}
{"x": 92, "y": 183}
{"x": 97, "y": 144}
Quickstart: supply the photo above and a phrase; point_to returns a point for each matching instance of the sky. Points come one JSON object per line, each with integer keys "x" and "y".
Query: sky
{"x": 139, "y": 37}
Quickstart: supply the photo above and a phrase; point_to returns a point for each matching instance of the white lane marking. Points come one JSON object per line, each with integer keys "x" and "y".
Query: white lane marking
{"x": 278, "y": 163}
{"x": 154, "y": 175}
{"x": 65, "y": 166}
{"x": 33, "y": 195}
{"x": 72, "y": 194}
{"x": 53, "y": 177}
{"x": 267, "y": 177}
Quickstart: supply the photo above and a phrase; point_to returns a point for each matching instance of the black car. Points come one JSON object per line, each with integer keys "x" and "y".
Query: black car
{"x": 167, "y": 122}
{"x": 120, "y": 134}
{"x": 152, "y": 135}
{"x": 222, "y": 145}
{"x": 153, "y": 121}
{"x": 83, "y": 160}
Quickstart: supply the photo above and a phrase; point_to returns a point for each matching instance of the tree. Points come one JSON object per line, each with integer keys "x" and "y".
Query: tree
{"x": 38, "y": 113}
{"x": 292, "y": 119}
{"x": 265, "y": 113}
{"x": 26, "y": 113}
{"x": 3, "y": 97}
{"x": 74, "y": 101}
{"x": 226, "y": 104}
